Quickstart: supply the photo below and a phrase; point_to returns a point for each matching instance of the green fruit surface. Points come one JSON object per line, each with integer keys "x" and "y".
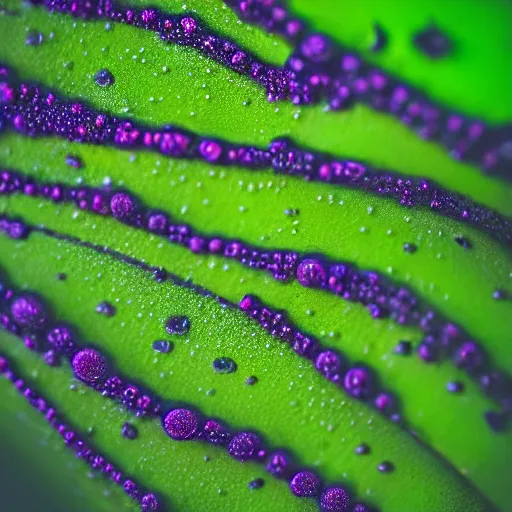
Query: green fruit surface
{"x": 458, "y": 464}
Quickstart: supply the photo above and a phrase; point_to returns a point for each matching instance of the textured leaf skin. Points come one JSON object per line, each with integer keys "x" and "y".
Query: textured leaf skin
{"x": 441, "y": 272}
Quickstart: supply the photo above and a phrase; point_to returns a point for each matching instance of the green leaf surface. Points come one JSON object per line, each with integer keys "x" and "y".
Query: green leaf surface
{"x": 457, "y": 463}
{"x": 198, "y": 94}
{"x": 328, "y": 424}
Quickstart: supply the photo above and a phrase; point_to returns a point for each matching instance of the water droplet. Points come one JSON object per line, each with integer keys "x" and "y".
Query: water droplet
{"x": 129, "y": 431}
{"x": 178, "y": 325}
{"x": 106, "y": 308}
{"x": 34, "y": 38}
{"x": 224, "y": 365}
{"x": 256, "y": 484}
{"x": 362, "y": 449}
{"x": 162, "y": 346}
{"x": 104, "y": 78}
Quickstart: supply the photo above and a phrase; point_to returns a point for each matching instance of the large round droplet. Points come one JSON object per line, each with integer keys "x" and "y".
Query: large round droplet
{"x": 28, "y": 311}
{"x": 89, "y": 366}
{"x": 181, "y": 424}
{"x": 311, "y": 273}
{"x": 305, "y": 484}
{"x": 334, "y": 499}
{"x": 243, "y": 446}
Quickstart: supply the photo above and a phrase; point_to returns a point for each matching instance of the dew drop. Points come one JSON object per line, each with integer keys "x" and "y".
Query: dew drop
{"x": 34, "y": 38}
{"x": 162, "y": 346}
{"x": 224, "y": 365}
{"x": 129, "y": 431}
{"x": 104, "y": 78}
{"x": 178, "y": 325}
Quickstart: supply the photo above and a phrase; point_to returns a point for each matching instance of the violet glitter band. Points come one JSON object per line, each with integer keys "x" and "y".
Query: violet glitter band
{"x": 325, "y": 69}
{"x": 329, "y": 363}
{"x": 445, "y": 337}
{"x": 378, "y": 294}
{"x": 318, "y": 70}
{"x": 26, "y": 110}
{"x": 148, "y": 502}
{"x": 180, "y": 424}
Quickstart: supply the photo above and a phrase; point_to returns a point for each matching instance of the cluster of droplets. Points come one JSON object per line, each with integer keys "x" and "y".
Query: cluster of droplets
{"x": 357, "y": 381}
{"x": 29, "y": 111}
{"x": 381, "y": 297}
{"x": 184, "y": 30}
{"x": 186, "y": 425}
{"x": 148, "y": 502}
{"x": 26, "y": 317}
{"x": 325, "y": 70}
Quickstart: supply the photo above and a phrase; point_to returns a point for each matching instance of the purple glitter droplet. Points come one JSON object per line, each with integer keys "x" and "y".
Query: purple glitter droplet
{"x": 384, "y": 402}
{"x": 311, "y": 273}
{"x": 243, "y": 446}
{"x": 305, "y": 484}
{"x": 149, "y": 503}
{"x": 316, "y": 48}
{"x": 122, "y": 206}
{"x": 61, "y": 339}
{"x": 27, "y": 311}
{"x": 51, "y": 358}
{"x": 181, "y": 424}
{"x": 357, "y": 382}
{"x": 469, "y": 356}
{"x": 189, "y": 25}
{"x": 328, "y": 363}
{"x": 334, "y": 499}
{"x": 428, "y": 352}
{"x": 130, "y": 488}
{"x": 215, "y": 433}
{"x": 277, "y": 465}
{"x": 89, "y": 366}
{"x": 210, "y": 150}
{"x": 359, "y": 507}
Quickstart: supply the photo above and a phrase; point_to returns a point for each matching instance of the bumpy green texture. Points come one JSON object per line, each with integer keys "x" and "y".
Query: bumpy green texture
{"x": 463, "y": 464}
{"x": 328, "y": 425}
